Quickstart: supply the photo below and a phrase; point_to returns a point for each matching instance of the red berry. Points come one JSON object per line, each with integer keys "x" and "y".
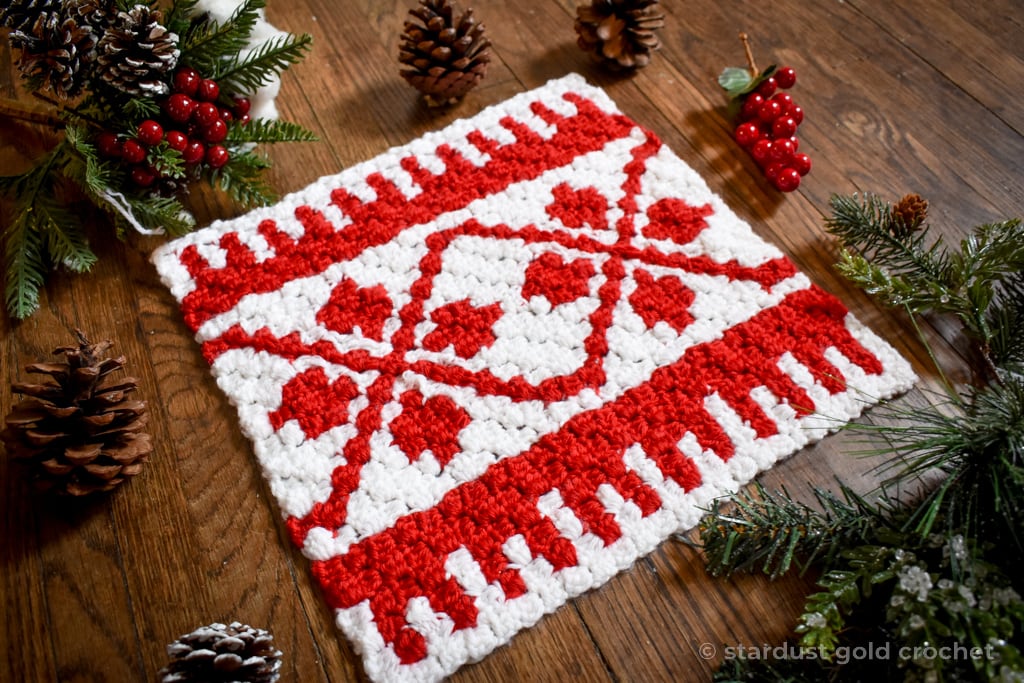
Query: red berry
{"x": 176, "y": 140}
{"x": 771, "y": 172}
{"x": 767, "y": 87}
{"x": 150, "y": 132}
{"x": 787, "y": 180}
{"x": 796, "y": 143}
{"x": 747, "y": 134}
{"x": 132, "y": 152}
{"x": 751, "y": 103}
{"x": 143, "y": 176}
{"x": 208, "y": 90}
{"x": 244, "y": 119}
{"x": 242, "y": 106}
{"x": 761, "y": 151}
{"x": 226, "y": 115}
{"x": 217, "y": 156}
{"x": 205, "y": 114}
{"x": 783, "y": 127}
{"x": 108, "y": 145}
{"x": 797, "y": 113}
{"x": 783, "y": 150}
{"x": 186, "y": 80}
{"x": 785, "y": 77}
{"x": 194, "y": 152}
{"x": 216, "y": 131}
{"x": 179, "y": 107}
{"x": 785, "y": 100}
{"x": 802, "y": 163}
{"x": 769, "y": 110}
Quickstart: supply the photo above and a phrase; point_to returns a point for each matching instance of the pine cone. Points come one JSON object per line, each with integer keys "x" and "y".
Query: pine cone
{"x": 236, "y": 652}
{"x": 99, "y": 14}
{"x": 79, "y": 433}
{"x": 619, "y": 33}
{"x": 137, "y": 54}
{"x": 446, "y": 57}
{"x": 20, "y": 15}
{"x": 908, "y": 214}
{"x": 54, "y": 52}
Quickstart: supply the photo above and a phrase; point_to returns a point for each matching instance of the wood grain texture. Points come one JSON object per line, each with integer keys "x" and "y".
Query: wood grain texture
{"x": 913, "y": 96}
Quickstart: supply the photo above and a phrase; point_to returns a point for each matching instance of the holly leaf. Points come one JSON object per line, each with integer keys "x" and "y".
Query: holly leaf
{"x": 737, "y": 81}
{"x": 734, "y": 79}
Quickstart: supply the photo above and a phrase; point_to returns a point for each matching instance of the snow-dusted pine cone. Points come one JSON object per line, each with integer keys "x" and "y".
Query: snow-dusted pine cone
{"x": 20, "y": 15}
{"x": 137, "y": 53}
{"x": 54, "y": 51}
{"x": 220, "y": 653}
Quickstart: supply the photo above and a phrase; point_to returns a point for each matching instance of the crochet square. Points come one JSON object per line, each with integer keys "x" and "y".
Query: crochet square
{"x": 487, "y": 370}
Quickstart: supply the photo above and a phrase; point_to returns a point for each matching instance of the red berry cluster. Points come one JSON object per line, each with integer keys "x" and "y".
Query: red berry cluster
{"x": 193, "y": 124}
{"x": 767, "y": 126}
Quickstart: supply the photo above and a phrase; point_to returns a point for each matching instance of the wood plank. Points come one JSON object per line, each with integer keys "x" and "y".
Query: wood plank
{"x": 915, "y": 96}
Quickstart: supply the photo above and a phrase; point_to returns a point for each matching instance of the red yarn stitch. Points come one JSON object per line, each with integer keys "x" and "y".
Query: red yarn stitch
{"x": 585, "y": 454}
{"x": 352, "y": 306}
{"x": 432, "y": 424}
{"x": 576, "y": 208}
{"x": 559, "y": 282}
{"x": 315, "y": 402}
{"x": 373, "y": 223}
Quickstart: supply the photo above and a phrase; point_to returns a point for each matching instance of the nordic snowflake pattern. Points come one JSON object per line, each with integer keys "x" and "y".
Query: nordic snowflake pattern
{"x": 488, "y": 370}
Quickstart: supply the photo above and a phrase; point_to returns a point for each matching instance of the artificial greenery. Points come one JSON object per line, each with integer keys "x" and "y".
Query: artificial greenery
{"x": 91, "y": 97}
{"x": 920, "y": 579}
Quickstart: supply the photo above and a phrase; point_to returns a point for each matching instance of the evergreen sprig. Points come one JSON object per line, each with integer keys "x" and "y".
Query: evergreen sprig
{"x": 772, "y": 531}
{"x": 205, "y": 43}
{"x": 145, "y": 196}
{"x": 251, "y": 71}
{"x": 934, "y": 560}
{"x": 905, "y": 270}
{"x": 265, "y": 130}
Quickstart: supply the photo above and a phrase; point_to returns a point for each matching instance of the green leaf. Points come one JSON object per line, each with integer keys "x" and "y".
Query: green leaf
{"x": 734, "y": 79}
{"x": 738, "y": 81}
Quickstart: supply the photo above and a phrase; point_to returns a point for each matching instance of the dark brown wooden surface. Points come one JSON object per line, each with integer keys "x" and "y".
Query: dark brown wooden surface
{"x": 916, "y": 96}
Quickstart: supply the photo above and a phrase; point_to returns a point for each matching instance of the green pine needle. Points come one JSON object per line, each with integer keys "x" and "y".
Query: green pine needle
{"x": 246, "y": 74}
{"x": 24, "y": 264}
{"x": 772, "y": 531}
{"x": 205, "y": 44}
{"x": 242, "y": 179}
{"x": 265, "y": 130}
{"x": 166, "y": 213}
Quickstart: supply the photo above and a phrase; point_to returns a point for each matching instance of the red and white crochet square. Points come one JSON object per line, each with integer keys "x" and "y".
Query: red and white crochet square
{"x": 488, "y": 370}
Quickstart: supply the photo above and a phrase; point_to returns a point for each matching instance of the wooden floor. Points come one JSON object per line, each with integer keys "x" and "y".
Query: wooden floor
{"x": 913, "y": 96}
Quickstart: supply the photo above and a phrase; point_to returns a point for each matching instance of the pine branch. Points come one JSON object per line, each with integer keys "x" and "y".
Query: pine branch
{"x": 860, "y": 570}
{"x": 23, "y": 244}
{"x": 896, "y": 267}
{"x": 24, "y": 264}
{"x": 265, "y": 130}
{"x": 178, "y": 19}
{"x": 774, "y": 531}
{"x": 241, "y": 179}
{"x": 246, "y": 74}
{"x": 160, "y": 212}
{"x": 205, "y": 44}
{"x": 65, "y": 239}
